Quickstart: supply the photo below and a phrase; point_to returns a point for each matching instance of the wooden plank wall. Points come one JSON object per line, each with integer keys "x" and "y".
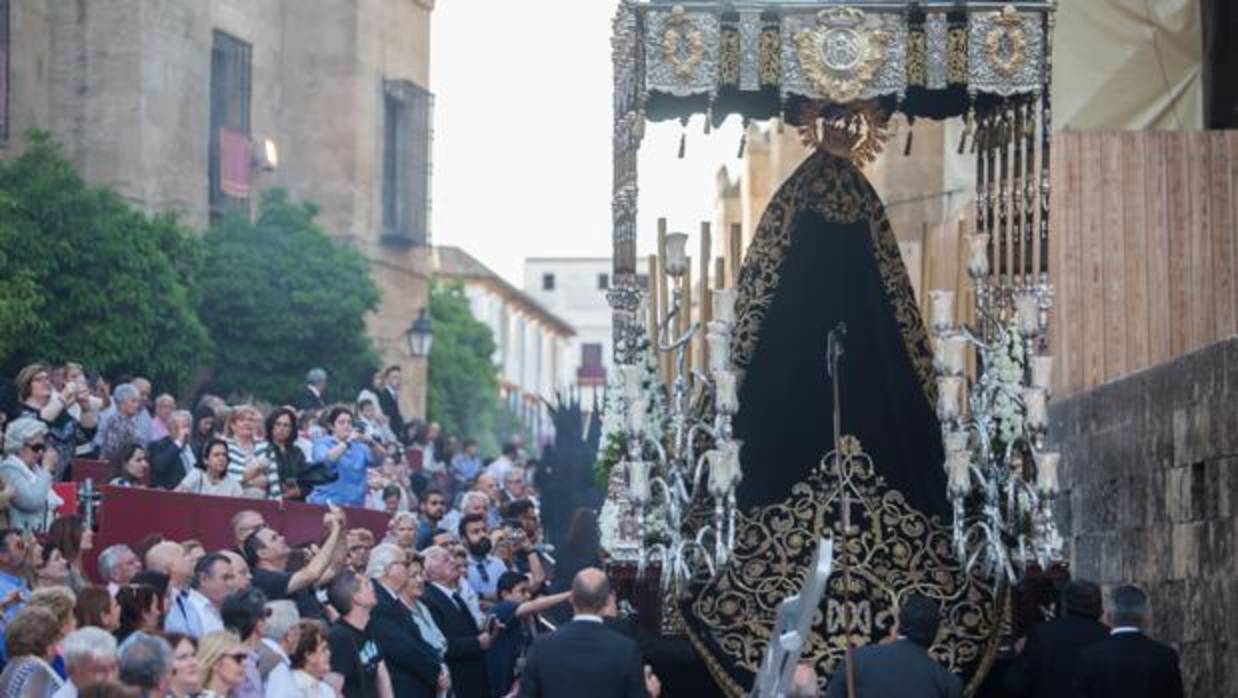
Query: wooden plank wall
{"x": 1144, "y": 257}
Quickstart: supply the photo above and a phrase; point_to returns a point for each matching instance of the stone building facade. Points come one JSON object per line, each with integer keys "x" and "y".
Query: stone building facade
{"x": 140, "y": 91}
{"x": 1150, "y": 496}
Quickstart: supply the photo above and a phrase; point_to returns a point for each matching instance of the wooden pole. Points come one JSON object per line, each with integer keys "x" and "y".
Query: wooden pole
{"x": 705, "y": 298}
{"x": 719, "y": 275}
{"x": 652, "y": 310}
{"x": 687, "y": 319}
{"x": 925, "y": 270}
{"x": 737, "y": 251}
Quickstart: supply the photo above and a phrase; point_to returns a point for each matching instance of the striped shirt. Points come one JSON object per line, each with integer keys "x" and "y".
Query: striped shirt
{"x": 238, "y": 457}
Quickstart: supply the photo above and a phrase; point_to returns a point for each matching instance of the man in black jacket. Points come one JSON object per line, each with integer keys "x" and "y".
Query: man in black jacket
{"x": 1046, "y": 666}
{"x": 466, "y": 643}
{"x": 1128, "y": 664}
{"x": 310, "y": 397}
{"x": 901, "y": 668}
{"x": 171, "y": 458}
{"x": 389, "y": 402}
{"x": 413, "y": 664}
{"x": 584, "y": 657}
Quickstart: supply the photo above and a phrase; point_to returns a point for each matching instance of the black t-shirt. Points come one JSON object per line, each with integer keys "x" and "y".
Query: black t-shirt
{"x": 275, "y": 586}
{"x": 355, "y": 656}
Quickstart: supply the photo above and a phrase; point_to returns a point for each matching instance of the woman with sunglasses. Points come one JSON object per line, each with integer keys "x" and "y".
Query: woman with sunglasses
{"x": 27, "y": 471}
{"x": 222, "y": 658}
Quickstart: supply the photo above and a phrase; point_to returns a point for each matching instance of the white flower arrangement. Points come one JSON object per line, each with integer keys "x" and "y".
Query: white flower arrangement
{"x": 1006, "y": 365}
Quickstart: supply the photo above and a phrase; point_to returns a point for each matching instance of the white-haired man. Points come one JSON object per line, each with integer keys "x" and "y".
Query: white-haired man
{"x": 89, "y": 658}
{"x": 280, "y": 635}
{"x": 471, "y": 502}
{"x": 117, "y": 566}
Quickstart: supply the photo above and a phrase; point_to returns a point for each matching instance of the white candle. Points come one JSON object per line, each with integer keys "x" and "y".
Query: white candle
{"x": 636, "y": 417}
{"x": 954, "y": 350}
{"x": 1042, "y": 371}
{"x": 638, "y": 482}
{"x": 1046, "y": 472}
{"x": 956, "y": 441}
{"x": 978, "y": 255}
{"x": 676, "y": 254}
{"x": 726, "y": 399}
{"x": 958, "y": 470}
{"x": 724, "y": 468}
{"x": 948, "y": 397}
{"x": 719, "y": 351}
{"x": 1027, "y": 309}
{"x": 939, "y": 354}
{"x": 724, "y": 306}
{"x": 1035, "y": 405}
{"x": 941, "y": 309}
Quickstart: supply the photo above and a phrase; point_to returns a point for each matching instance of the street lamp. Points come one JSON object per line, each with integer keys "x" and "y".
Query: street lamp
{"x": 419, "y": 335}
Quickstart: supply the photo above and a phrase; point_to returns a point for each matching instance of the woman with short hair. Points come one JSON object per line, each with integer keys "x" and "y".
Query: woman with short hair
{"x": 246, "y": 464}
{"x": 311, "y": 661}
{"x": 27, "y": 472}
{"x": 222, "y": 657}
{"x": 350, "y": 453}
{"x": 186, "y": 678}
{"x": 95, "y": 606}
{"x": 31, "y": 639}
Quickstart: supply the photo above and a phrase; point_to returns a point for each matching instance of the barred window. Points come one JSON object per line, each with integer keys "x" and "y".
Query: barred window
{"x": 408, "y": 131}
{"x": 230, "y": 151}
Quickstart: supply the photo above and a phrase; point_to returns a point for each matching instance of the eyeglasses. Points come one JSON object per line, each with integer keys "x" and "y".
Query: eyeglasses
{"x": 238, "y": 657}
{"x": 37, "y": 448}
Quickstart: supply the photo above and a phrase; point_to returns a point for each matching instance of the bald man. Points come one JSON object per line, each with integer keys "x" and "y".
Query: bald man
{"x": 584, "y": 657}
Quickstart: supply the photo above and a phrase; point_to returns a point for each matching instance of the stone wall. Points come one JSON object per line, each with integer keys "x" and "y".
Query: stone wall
{"x": 1149, "y": 492}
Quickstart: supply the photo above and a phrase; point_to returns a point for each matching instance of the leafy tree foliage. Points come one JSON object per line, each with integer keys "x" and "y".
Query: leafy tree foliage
{"x": 463, "y": 381}
{"x": 280, "y": 297}
{"x": 86, "y": 277}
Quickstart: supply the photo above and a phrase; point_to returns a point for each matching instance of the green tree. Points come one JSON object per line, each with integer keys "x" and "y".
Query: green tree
{"x": 463, "y": 381}
{"x": 280, "y": 297}
{"x": 86, "y": 277}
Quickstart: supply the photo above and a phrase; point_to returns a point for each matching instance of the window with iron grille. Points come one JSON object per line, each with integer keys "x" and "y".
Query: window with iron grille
{"x": 230, "y": 158}
{"x": 4, "y": 70}
{"x": 408, "y": 131}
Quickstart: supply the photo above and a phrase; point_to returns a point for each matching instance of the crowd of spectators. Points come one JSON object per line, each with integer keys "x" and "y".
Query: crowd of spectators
{"x": 446, "y": 602}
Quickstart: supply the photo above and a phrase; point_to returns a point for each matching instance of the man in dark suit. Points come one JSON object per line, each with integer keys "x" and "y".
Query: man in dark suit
{"x": 466, "y": 643}
{"x": 584, "y": 657}
{"x": 1128, "y": 664}
{"x": 389, "y": 402}
{"x": 901, "y": 667}
{"x": 1046, "y": 666}
{"x": 413, "y": 664}
{"x": 310, "y": 397}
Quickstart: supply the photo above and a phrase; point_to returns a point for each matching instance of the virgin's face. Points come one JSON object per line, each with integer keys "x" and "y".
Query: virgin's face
{"x": 186, "y": 670}
{"x": 217, "y": 459}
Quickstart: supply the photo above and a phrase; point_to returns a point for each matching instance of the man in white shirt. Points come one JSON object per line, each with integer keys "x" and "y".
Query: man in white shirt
{"x": 117, "y": 566}
{"x": 89, "y": 657}
{"x": 280, "y": 635}
{"x": 212, "y": 582}
{"x": 168, "y": 557}
{"x": 484, "y": 569}
{"x": 499, "y": 466}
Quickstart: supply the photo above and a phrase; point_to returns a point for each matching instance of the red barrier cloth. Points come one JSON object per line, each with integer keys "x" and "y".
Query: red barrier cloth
{"x": 68, "y": 492}
{"x": 129, "y": 514}
{"x": 98, "y": 470}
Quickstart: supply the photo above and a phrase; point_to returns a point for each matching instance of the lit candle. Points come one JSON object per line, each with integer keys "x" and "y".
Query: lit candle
{"x": 956, "y": 441}
{"x": 1042, "y": 371}
{"x": 676, "y": 254}
{"x": 958, "y": 469}
{"x": 638, "y": 482}
{"x": 724, "y": 306}
{"x": 941, "y": 305}
{"x": 724, "y": 469}
{"x": 726, "y": 399}
{"x": 719, "y": 351}
{"x": 1046, "y": 472}
{"x": 948, "y": 397}
{"x": 1027, "y": 309}
{"x": 1034, "y": 403}
{"x": 978, "y": 255}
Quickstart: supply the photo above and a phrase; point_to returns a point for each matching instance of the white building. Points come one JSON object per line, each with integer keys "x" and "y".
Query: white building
{"x": 574, "y": 288}
{"x": 531, "y": 341}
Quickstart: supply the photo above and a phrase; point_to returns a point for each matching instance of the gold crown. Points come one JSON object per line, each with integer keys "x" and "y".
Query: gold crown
{"x": 857, "y": 133}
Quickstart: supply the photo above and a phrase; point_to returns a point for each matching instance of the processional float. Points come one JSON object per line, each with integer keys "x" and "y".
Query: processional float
{"x": 837, "y": 72}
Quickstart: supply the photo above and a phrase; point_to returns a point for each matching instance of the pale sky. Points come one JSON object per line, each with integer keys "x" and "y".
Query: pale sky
{"x": 522, "y": 136}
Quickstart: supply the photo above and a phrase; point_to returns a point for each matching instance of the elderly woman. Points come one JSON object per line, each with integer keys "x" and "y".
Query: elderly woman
{"x": 246, "y": 462}
{"x": 222, "y": 657}
{"x": 130, "y": 467}
{"x": 31, "y": 638}
{"x": 122, "y": 426}
{"x": 211, "y": 475}
{"x": 27, "y": 471}
{"x": 72, "y": 539}
{"x": 402, "y": 530}
{"x": 161, "y": 425}
{"x": 40, "y": 400}
{"x": 416, "y": 665}
{"x": 311, "y": 661}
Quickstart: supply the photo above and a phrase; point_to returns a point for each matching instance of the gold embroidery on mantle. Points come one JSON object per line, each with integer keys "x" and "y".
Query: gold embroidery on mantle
{"x": 897, "y": 550}
{"x": 837, "y": 190}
